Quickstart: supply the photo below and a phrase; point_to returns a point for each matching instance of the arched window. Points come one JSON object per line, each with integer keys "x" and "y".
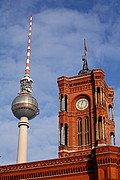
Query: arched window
{"x": 86, "y": 130}
{"x": 112, "y": 138}
{"x": 111, "y": 112}
{"x": 80, "y": 132}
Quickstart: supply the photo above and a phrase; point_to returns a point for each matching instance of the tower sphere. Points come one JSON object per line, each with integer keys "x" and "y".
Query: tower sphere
{"x": 25, "y": 105}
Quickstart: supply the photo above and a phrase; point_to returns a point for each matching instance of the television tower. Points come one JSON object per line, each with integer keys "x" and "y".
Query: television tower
{"x": 25, "y": 106}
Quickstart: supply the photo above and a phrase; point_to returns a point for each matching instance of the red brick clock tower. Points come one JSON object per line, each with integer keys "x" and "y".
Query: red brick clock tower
{"x": 86, "y": 111}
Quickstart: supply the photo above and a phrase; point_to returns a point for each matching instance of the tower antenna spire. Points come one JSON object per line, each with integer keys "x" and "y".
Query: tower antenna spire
{"x": 27, "y": 68}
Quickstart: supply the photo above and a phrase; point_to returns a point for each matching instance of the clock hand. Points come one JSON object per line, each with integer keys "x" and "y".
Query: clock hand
{"x": 82, "y": 102}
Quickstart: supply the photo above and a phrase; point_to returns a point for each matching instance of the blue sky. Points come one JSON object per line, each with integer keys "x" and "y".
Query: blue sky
{"x": 59, "y": 27}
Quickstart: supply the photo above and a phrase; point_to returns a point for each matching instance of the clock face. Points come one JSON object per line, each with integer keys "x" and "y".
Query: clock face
{"x": 82, "y": 104}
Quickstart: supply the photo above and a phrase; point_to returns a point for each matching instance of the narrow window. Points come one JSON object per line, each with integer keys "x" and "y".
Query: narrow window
{"x": 66, "y": 134}
{"x": 112, "y": 138}
{"x": 101, "y": 96}
{"x": 110, "y": 112}
{"x": 100, "y": 130}
{"x": 62, "y": 103}
{"x": 65, "y": 102}
{"x": 98, "y": 95}
{"x": 62, "y": 135}
{"x": 86, "y": 130}
{"x": 80, "y": 132}
{"x": 105, "y": 173}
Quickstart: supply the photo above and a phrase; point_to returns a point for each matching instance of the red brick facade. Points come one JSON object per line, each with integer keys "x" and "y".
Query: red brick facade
{"x": 86, "y": 135}
{"x": 103, "y": 163}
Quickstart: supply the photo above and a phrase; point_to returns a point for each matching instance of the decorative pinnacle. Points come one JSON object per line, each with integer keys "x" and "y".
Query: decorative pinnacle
{"x": 84, "y": 58}
{"x": 26, "y": 81}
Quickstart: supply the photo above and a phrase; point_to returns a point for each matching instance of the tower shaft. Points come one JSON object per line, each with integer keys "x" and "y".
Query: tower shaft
{"x": 22, "y": 140}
